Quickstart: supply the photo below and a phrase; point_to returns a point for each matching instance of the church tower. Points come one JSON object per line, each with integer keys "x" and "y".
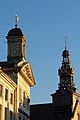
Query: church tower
{"x": 66, "y": 100}
{"x": 16, "y": 45}
{"x": 66, "y": 73}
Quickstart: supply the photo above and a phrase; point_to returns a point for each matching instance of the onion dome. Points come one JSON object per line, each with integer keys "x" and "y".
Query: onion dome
{"x": 65, "y": 53}
{"x": 15, "y": 32}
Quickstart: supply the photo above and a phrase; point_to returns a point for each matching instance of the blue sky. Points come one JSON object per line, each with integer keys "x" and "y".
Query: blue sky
{"x": 45, "y": 24}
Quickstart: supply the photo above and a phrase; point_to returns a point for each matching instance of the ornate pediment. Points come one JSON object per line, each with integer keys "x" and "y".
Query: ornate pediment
{"x": 27, "y": 72}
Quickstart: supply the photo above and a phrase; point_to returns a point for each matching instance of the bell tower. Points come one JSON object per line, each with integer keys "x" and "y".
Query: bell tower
{"x": 16, "y": 45}
{"x": 66, "y": 72}
{"x": 66, "y": 99}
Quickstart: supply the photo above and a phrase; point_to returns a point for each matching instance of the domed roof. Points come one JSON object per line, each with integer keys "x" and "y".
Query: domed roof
{"x": 65, "y": 53}
{"x": 15, "y": 32}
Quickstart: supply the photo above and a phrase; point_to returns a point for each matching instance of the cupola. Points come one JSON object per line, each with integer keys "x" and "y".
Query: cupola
{"x": 16, "y": 45}
{"x": 15, "y": 32}
{"x": 65, "y": 53}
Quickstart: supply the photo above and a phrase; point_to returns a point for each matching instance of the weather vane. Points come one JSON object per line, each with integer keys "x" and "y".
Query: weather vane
{"x": 65, "y": 41}
{"x": 16, "y": 18}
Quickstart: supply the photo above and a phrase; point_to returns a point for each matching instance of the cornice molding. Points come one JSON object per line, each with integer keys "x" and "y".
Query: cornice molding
{"x": 8, "y": 79}
{"x": 26, "y": 72}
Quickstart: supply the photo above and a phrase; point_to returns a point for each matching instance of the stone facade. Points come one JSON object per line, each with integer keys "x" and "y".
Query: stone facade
{"x": 16, "y": 78}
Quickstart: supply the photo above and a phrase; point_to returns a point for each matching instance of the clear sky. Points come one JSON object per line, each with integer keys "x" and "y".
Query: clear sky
{"x": 45, "y": 24}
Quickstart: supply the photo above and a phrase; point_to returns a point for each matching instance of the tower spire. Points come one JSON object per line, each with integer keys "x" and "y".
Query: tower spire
{"x": 65, "y": 42}
{"x": 16, "y": 19}
{"x": 66, "y": 72}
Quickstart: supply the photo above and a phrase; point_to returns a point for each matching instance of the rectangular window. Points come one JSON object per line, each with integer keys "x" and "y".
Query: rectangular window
{"x": 11, "y": 98}
{"x": 24, "y": 99}
{"x": 78, "y": 116}
{"x": 19, "y": 117}
{"x": 28, "y": 101}
{"x": 6, "y": 113}
{"x": 0, "y": 112}
{"x": 1, "y": 87}
{"x": 10, "y": 115}
{"x": 20, "y": 95}
{"x": 6, "y": 94}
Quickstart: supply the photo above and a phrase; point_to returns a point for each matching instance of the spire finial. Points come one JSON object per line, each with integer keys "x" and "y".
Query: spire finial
{"x": 16, "y": 19}
{"x": 65, "y": 42}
